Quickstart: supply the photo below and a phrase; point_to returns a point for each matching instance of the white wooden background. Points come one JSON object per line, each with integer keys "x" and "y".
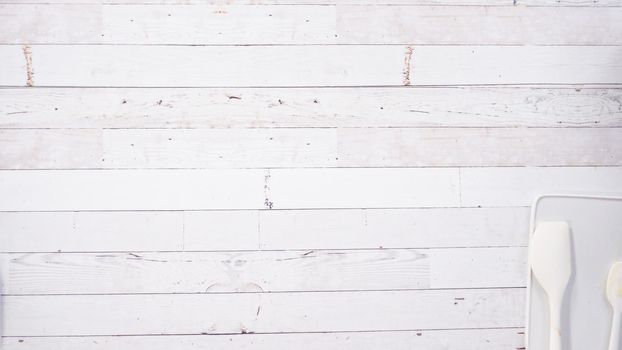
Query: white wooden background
{"x": 291, "y": 174}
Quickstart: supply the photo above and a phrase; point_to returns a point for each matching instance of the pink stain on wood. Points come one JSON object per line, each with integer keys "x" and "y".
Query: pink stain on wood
{"x": 406, "y": 70}
{"x": 29, "y": 73}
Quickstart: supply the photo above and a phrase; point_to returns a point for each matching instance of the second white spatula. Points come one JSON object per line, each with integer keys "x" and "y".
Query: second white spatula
{"x": 550, "y": 261}
{"x": 614, "y": 295}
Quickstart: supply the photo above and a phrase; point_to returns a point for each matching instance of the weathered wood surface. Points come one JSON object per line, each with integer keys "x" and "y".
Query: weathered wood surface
{"x": 262, "y": 312}
{"x": 306, "y": 148}
{"x": 471, "y": 339}
{"x": 511, "y": 186}
{"x": 324, "y": 65}
{"x": 41, "y": 190}
{"x": 295, "y": 24}
{"x": 310, "y": 107}
{"x": 509, "y": 3}
{"x": 226, "y": 189}
{"x": 270, "y": 271}
{"x": 268, "y": 230}
{"x": 138, "y": 190}
{"x": 381, "y": 161}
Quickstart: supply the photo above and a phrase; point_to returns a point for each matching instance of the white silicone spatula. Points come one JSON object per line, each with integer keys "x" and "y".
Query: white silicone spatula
{"x": 614, "y": 295}
{"x": 549, "y": 259}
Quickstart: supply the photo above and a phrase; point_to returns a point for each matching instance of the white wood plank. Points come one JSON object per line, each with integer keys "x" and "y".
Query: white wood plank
{"x": 362, "y": 188}
{"x": 393, "y": 228}
{"x": 272, "y": 271}
{"x": 76, "y": 65}
{"x": 261, "y": 312}
{"x": 14, "y": 67}
{"x": 278, "y": 229}
{"x": 168, "y": 24}
{"x": 314, "y": 107}
{"x": 42, "y": 149}
{"x": 292, "y": 188}
{"x": 221, "y": 230}
{"x": 350, "y": 65}
{"x": 520, "y": 186}
{"x": 481, "y": 267}
{"x": 474, "y": 25}
{"x": 472, "y": 339}
{"x": 92, "y": 231}
{"x": 288, "y": 24}
{"x": 274, "y": 2}
{"x": 564, "y": 3}
{"x": 127, "y": 190}
{"x": 479, "y": 147}
{"x": 433, "y": 65}
{"x": 318, "y": 147}
{"x": 223, "y": 148}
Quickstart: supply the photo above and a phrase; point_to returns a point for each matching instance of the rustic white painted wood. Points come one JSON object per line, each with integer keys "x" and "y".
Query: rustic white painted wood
{"x": 168, "y": 24}
{"x": 474, "y": 25}
{"x": 14, "y": 67}
{"x": 520, "y": 186}
{"x": 363, "y": 188}
{"x": 77, "y": 65}
{"x": 276, "y": 2}
{"x": 221, "y": 230}
{"x": 294, "y": 24}
{"x": 557, "y": 3}
{"x": 433, "y": 65}
{"x": 31, "y": 149}
{"x": 320, "y": 147}
{"x": 94, "y": 231}
{"x": 126, "y": 190}
{"x": 472, "y": 339}
{"x": 564, "y": 3}
{"x": 272, "y": 271}
{"x": 507, "y": 265}
{"x": 371, "y": 132}
{"x": 406, "y": 228}
{"x": 350, "y": 65}
{"x": 314, "y": 107}
{"x": 246, "y": 148}
{"x": 479, "y": 147}
{"x": 293, "y": 188}
{"x": 261, "y": 312}
{"x": 271, "y": 230}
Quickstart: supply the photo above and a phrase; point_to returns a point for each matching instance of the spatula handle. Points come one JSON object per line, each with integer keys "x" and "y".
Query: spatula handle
{"x": 555, "y": 316}
{"x": 615, "y": 331}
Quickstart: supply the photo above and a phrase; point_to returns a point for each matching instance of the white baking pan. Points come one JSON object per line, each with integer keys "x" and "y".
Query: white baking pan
{"x": 596, "y": 234}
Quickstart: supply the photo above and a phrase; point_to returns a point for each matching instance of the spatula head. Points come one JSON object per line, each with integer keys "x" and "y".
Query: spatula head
{"x": 614, "y": 286}
{"x": 549, "y": 256}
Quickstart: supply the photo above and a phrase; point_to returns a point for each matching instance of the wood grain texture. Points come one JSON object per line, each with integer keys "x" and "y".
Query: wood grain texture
{"x": 405, "y": 228}
{"x": 474, "y": 339}
{"x": 349, "y": 65}
{"x": 515, "y": 64}
{"x": 308, "y": 148}
{"x": 138, "y": 190}
{"x": 274, "y": 271}
{"x": 310, "y": 107}
{"x": 275, "y": 2}
{"x": 32, "y": 149}
{"x": 474, "y": 25}
{"x": 271, "y": 230}
{"x": 362, "y": 188}
{"x": 308, "y": 24}
{"x": 71, "y": 65}
{"x": 479, "y": 147}
{"x": 93, "y": 231}
{"x": 520, "y": 186}
{"x": 294, "y": 188}
{"x": 567, "y": 3}
{"x": 282, "y": 312}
